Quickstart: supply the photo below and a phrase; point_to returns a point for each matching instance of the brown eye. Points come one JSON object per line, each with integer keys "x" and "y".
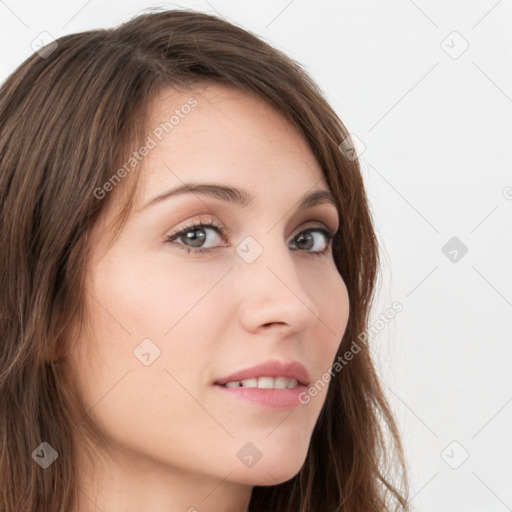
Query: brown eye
{"x": 306, "y": 241}
{"x": 192, "y": 237}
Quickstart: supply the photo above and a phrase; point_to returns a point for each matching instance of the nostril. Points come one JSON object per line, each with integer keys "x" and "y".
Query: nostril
{"x": 272, "y": 323}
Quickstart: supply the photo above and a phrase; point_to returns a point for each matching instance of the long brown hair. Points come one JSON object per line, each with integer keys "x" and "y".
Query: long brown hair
{"x": 68, "y": 119}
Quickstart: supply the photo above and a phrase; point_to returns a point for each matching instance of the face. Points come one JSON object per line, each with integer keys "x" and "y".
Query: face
{"x": 175, "y": 308}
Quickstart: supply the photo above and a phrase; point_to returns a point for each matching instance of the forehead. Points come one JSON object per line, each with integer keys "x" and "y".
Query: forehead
{"x": 222, "y": 134}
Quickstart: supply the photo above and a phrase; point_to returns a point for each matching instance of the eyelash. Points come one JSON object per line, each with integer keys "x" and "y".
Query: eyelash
{"x": 223, "y": 231}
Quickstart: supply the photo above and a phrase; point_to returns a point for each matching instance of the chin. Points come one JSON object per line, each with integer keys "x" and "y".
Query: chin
{"x": 272, "y": 471}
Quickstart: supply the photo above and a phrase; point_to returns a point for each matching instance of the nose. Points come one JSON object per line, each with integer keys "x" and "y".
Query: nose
{"x": 272, "y": 294}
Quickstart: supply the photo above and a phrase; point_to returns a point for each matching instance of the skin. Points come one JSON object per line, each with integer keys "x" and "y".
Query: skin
{"x": 174, "y": 437}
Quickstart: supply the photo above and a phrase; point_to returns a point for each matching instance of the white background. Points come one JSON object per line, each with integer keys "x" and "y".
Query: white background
{"x": 433, "y": 126}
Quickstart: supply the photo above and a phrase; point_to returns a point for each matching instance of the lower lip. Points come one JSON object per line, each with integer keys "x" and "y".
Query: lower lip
{"x": 286, "y": 398}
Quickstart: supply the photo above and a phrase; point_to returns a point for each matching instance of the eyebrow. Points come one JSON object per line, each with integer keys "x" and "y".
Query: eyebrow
{"x": 240, "y": 197}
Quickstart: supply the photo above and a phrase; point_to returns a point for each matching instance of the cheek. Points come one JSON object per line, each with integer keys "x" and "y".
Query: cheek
{"x": 329, "y": 292}
{"x": 332, "y": 300}
{"x": 152, "y": 296}
{"x": 165, "y": 307}
{"x": 337, "y": 307}
{"x": 135, "y": 403}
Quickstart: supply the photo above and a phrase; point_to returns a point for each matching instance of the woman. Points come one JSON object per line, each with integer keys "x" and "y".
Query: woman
{"x": 186, "y": 252}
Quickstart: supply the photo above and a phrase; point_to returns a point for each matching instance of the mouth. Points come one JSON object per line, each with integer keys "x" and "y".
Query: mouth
{"x": 271, "y": 384}
{"x": 265, "y": 382}
{"x": 269, "y": 374}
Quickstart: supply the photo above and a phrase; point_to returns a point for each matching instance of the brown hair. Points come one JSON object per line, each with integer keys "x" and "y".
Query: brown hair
{"x": 67, "y": 120}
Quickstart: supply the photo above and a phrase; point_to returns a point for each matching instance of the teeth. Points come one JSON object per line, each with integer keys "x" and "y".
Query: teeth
{"x": 264, "y": 383}
{"x": 250, "y": 383}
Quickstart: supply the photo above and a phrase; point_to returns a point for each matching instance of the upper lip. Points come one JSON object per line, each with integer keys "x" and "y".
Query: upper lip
{"x": 271, "y": 368}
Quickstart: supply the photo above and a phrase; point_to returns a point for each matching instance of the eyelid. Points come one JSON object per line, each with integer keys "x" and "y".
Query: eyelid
{"x": 322, "y": 227}
{"x": 226, "y": 231}
{"x": 212, "y": 223}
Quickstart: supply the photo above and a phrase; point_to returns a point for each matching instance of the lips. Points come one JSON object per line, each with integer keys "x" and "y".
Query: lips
{"x": 271, "y": 368}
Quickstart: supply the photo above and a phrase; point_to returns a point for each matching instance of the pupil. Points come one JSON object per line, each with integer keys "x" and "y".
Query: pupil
{"x": 308, "y": 237}
{"x": 196, "y": 240}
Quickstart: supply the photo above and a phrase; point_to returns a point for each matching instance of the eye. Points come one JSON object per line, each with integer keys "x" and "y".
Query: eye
{"x": 192, "y": 238}
{"x": 314, "y": 245}
{"x": 195, "y": 234}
